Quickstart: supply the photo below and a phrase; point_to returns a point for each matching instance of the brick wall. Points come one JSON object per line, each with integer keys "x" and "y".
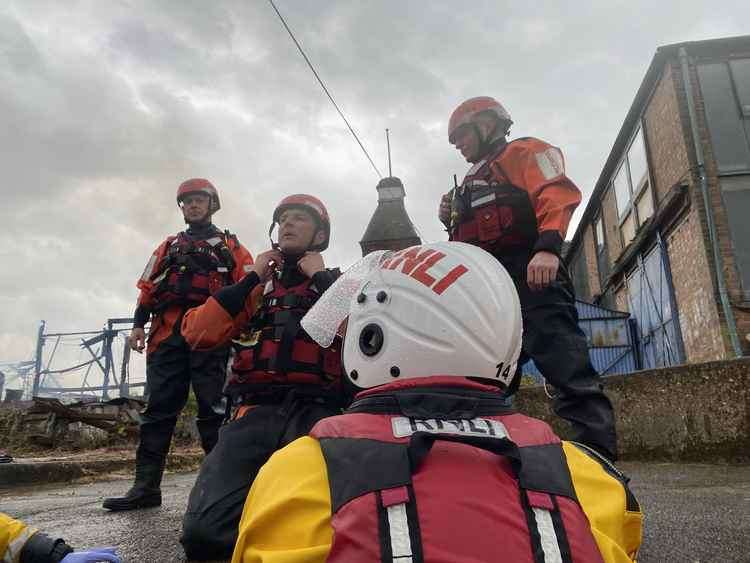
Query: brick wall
{"x": 696, "y": 305}
{"x": 589, "y": 253}
{"x": 611, "y": 226}
{"x": 668, "y": 139}
{"x": 665, "y": 137}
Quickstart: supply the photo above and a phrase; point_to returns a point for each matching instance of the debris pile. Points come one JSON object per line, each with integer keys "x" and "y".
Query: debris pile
{"x": 50, "y": 423}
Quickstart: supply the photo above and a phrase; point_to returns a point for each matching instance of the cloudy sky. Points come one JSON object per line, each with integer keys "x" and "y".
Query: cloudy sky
{"x": 106, "y": 107}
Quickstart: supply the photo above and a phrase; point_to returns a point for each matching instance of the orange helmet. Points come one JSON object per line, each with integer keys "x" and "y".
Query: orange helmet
{"x": 311, "y": 204}
{"x": 201, "y": 186}
{"x": 467, "y": 112}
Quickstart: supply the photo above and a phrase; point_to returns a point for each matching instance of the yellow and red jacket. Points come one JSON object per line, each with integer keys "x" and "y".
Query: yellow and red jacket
{"x": 183, "y": 272}
{"x": 348, "y": 492}
{"x": 21, "y": 542}
{"x": 516, "y": 197}
{"x": 13, "y": 536}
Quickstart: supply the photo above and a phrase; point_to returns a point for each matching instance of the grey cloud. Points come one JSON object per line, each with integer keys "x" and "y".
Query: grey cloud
{"x": 107, "y": 106}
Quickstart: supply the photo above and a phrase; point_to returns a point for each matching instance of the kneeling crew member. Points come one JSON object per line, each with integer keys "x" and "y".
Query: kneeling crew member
{"x": 516, "y": 203}
{"x": 429, "y": 463}
{"x": 183, "y": 271}
{"x": 281, "y": 383}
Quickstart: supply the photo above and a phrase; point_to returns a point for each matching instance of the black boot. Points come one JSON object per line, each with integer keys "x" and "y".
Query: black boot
{"x": 144, "y": 493}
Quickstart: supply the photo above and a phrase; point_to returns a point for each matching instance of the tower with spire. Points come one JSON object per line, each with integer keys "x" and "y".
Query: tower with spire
{"x": 390, "y": 227}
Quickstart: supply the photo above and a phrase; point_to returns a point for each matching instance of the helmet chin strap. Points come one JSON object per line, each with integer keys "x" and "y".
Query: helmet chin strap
{"x": 493, "y": 140}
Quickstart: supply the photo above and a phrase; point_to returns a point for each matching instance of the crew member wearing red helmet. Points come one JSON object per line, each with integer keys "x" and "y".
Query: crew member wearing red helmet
{"x": 182, "y": 273}
{"x": 516, "y": 202}
{"x": 281, "y": 383}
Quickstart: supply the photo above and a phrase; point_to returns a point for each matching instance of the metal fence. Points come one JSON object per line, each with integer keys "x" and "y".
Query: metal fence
{"x": 610, "y": 337}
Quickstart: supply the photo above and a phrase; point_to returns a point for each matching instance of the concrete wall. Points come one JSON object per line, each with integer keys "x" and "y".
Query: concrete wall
{"x": 698, "y": 412}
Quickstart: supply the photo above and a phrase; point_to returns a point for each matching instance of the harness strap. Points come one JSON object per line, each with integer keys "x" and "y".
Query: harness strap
{"x": 549, "y": 540}
{"x": 398, "y": 526}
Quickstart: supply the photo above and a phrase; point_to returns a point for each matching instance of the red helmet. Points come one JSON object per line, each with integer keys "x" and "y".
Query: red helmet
{"x": 202, "y": 186}
{"x": 311, "y": 204}
{"x": 467, "y": 112}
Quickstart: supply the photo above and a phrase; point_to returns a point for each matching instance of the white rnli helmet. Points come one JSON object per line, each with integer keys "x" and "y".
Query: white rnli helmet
{"x": 445, "y": 308}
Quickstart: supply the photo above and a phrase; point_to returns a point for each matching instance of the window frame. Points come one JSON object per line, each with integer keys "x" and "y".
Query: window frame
{"x": 600, "y": 245}
{"x": 635, "y": 193}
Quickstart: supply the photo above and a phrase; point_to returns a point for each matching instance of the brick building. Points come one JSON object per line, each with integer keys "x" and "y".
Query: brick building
{"x": 647, "y": 243}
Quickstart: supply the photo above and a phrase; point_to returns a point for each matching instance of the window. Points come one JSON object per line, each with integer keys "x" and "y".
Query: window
{"x": 628, "y": 229}
{"x": 637, "y": 162}
{"x": 741, "y": 77}
{"x": 725, "y": 113}
{"x": 622, "y": 189}
{"x": 736, "y": 193}
{"x": 602, "y": 256}
{"x": 726, "y": 94}
{"x": 599, "y": 234}
{"x": 645, "y": 205}
{"x": 633, "y": 196}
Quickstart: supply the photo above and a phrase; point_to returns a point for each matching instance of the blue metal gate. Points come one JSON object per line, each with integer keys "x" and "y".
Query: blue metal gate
{"x": 651, "y": 303}
{"x": 610, "y": 339}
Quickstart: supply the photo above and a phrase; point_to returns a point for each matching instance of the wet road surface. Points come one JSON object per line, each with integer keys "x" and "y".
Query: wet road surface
{"x": 694, "y": 513}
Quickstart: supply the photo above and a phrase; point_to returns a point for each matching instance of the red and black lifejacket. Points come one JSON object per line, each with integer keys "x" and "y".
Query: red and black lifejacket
{"x": 192, "y": 270}
{"x": 495, "y": 216}
{"x": 275, "y": 353}
{"x": 448, "y": 474}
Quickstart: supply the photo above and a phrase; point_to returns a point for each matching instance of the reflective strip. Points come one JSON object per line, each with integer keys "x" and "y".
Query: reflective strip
{"x": 478, "y": 183}
{"x": 403, "y": 426}
{"x": 476, "y": 167}
{"x": 398, "y": 524}
{"x": 547, "y": 536}
{"x": 269, "y": 287}
{"x": 483, "y": 200}
{"x": 161, "y": 277}
{"x": 247, "y": 268}
{"x": 149, "y": 268}
{"x": 550, "y": 163}
{"x": 222, "y": 269}
{"x": 13, "y": 551}
{"x": 213, "y": 241}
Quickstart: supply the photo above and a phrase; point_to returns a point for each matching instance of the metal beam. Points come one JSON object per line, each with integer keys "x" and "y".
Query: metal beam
{"x": 83, "y": 389}
{"x": 38, "y": 360}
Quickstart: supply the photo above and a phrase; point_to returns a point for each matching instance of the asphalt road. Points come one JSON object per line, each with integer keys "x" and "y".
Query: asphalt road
{"x": 694, "y": 513}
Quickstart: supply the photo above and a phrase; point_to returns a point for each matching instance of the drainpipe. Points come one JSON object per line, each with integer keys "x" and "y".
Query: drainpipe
{"x": 726, "y": 306}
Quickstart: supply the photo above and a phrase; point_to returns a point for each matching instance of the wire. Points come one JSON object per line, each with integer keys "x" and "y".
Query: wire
{"x": 320, "y": 81}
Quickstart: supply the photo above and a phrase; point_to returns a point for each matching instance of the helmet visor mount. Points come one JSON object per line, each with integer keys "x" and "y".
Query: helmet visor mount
{"x": 323, "y": 320}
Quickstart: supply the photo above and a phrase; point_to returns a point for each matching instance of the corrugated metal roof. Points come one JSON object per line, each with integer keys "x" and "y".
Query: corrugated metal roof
{"x": 589, "y": 311}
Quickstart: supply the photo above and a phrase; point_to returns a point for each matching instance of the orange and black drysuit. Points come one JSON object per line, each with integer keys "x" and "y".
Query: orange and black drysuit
{"x": 182, "y": 273}
{"x": 516, "y": 202}
{"x": 281, "y": 384}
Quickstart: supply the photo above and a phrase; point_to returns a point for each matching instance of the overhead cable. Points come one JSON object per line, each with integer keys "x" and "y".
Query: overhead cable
{"x": 320, "y": 81}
